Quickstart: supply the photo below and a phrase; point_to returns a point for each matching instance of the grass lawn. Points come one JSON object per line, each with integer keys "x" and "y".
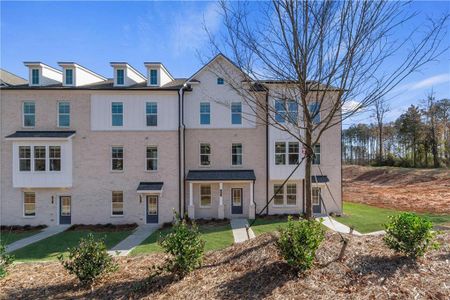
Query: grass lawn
{"x": 8, "y": 237}
{"x": 266, "y": 225}
{"x": 215, "y": 237}
{"x": 366, "y": 218}
{"x": 50, "y": 248}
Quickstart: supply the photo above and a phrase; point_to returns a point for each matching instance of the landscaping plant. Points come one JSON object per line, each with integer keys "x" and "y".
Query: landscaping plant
{"x": 410, "y": 234}
{"x": 299, "y": 241}
{"x": 5, "y": 260}
{"x": 88, "y": 260}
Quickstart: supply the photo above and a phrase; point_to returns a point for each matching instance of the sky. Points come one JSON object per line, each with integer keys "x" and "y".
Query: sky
{"x": 96, "y": 33}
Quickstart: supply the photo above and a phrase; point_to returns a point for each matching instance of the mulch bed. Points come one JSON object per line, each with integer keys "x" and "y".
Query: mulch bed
{"x": 103, "y": 227}
{"x": 18, "y": 228}
{"x": 254, "y": 270}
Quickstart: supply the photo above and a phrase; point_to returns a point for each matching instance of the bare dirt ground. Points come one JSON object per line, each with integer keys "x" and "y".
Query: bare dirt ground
{"x": 253, "y": 270}
{"x": 420, "y": 190}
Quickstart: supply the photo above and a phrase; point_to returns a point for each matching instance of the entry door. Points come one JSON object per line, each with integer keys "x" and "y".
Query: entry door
{"x": 236, "y": 201}
{"x": 65, "y": 210}
{"x": 316, "y": 200}
{"x": 152, "y": 208}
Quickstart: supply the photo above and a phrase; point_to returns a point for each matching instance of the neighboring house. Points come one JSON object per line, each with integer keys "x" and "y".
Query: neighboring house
{"x": 8, "y": 79}
{"x": 80, "y": 148}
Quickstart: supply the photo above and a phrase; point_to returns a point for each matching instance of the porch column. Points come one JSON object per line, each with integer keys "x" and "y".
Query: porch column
{"x": 191, "y": 208}
{"x": 251, "y": 207}
{"x": 221, "y": 212}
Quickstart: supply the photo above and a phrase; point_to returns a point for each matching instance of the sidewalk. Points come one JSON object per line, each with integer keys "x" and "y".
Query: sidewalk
{"x": 339, "y": 227}
{"x": 238, "y": 227}
{"x": 138, "y": 236}
{"x": 47, "y": 232}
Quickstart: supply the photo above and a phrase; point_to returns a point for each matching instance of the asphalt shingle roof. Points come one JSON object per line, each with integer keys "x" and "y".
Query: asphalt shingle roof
{"x": 320, "y": 179}
{"x": 150, "y": 186}
{"x": 42, "y": 134}
{"x": 226, "y": 175}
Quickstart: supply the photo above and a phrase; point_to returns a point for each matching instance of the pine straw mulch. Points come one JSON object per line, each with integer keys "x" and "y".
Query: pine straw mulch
{"x": 253, "y": 270}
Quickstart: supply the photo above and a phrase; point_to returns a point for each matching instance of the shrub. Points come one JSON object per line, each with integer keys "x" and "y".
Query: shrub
{"x": 299, "y": 241}
{"x": 88, "y": 260}
{"x": 185, "y": 247}
{"x": 409, "y": 234}
{"x": 5, "y": 260}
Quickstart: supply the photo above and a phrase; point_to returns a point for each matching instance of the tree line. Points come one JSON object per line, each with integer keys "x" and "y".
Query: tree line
{"x": 420, "y": 137}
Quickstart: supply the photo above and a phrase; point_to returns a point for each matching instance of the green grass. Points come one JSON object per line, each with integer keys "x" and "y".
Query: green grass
{"x": 10, "y": 237}
{"x": 215, "y": 237}
{"x": 365, "y": 218}
{"x": 267, "y": 225}
{"x": 50, "y": 248}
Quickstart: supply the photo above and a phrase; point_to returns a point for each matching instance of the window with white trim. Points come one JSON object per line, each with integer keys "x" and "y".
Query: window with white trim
{"x": 314, "y": 111}
{"x": 236, "y": 113}
{"x": 205, "y": 113}
{"x": 29, "y": 204}
{"x": 63, "y": 114}
{"x": 278, "y": 200}
{"x": 293, "y": 153}
{"x": 316, "y": 158}
{"x": 205, "y": 195}
{"x": 117, "y": 158}
{"x": 291, "y": 194}
{"x": 153, "y": 77}
{"x": 151, "y": 113}
{"x": 35, "y": 76}
{"x": 117, "y": 113}
{"x": 39, "y": 158}
{"x": 120, "y": 78}
{"x": 205, "y": 153}
{"x": 287, "y": 196}
{"x": 286, "y": 110}
{"x": 316, "y": 195}
{"x": 24, "y": 158}
{"x": 54, "y": 153}
{"x": 29, "y": 114}
{"x": 69, "y": 76}
{"x": 236, "y": 154}
{"x": 152, "y": 158}
{"x": 280, "y": 153}
{"x": 117, "y": 204}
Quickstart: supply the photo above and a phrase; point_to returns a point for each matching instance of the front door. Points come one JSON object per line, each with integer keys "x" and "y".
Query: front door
{"x": 65, "y": 210}
{"x": 316, "y": 200}
{"x": 152, "y": 208}
{"x": 236, "y": 201}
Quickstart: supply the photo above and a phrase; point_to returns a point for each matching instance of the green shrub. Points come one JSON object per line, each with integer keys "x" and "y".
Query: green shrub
{"x": 409, "y": 234}
{"x": 5, "y": 260}
{"x": 88, "y": 260}
{"x": 299, "y": 241}
{"x": 185, "y": 247}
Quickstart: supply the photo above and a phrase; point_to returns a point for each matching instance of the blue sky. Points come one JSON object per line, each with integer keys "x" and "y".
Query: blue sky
{"x": 96, "y": 33}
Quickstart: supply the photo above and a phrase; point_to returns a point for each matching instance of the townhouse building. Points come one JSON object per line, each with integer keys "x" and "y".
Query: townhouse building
{"x": 79, "y": 148}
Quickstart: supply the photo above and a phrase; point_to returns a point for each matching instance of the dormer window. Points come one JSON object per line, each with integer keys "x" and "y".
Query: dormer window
{"x": 35, "y": 76}
{"x": 120, "y": 77}
{"x": 69, "y": 76}
{"x": 154, "y": 77}
{"x": 220, "y": 81}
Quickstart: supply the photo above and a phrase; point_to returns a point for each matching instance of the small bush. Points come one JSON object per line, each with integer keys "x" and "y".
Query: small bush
{"x": 88, "y": 260}
{"x": 5, "y": 260}
{"x": 409, "y": 234}
{"x": 299, "y": 241}
{"x": 185, "y": 247}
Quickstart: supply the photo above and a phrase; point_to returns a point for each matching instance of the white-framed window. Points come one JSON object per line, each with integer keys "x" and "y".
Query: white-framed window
{"x": 29, "y": 114}
{"x": 287, "y": 196}
{"x": 220, "y": 81}
{"x": 34, "y": 76}
{"x": 291, "y": 194}
{"x": 293, "y": 153}
{"x": 153, "y": 77}
{"x": 120, "y": 76}
{"x": 316, "y": 195}
{"x": 205, "y": 154}
{"x": 117, "y": 113}
{"x": 286, "y": 110}
{"x": 151, "y": 113}
{"x": 54, "y": 155}
{"x": 24, "y": 158}
{"x": 205, "y": 113}
{"x": 117, "y": 203}
{"x": 63, "y": 114}
{"x": 39, "y": 158}
{"x": 280, "y": 153}
{"x": 152, "y": 158}
{"x": 205, "y": 195}
{"x": 69, "y": 76}
{"x": 314, "y": 111}
{"x": 236, "y": 113}
{"x": 29, "y": 204}
{"x": 117, "y": 158}
{"x": 278, "y": 200}
{"x": 236, "y": 154}
{"x": 316, "y": 158}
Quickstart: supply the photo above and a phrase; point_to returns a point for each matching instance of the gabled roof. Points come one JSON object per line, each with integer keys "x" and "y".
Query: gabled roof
{"x": 225, "y": 175}
{"x": 42, "y": 134}
{"x": 74, "y": 64}
{"x": 8, "y": 78}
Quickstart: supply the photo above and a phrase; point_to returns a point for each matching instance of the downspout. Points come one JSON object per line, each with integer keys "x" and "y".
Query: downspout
{"x": 184, "y": 146}
{"x": 267, "y": 152}
{"x": 180, "y": 133}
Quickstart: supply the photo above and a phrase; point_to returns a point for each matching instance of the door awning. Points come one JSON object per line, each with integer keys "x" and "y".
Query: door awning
{"x": 35, "y": 135}
{"x": 319, "y": 179}
{"x": 150, "y": 187}
{"x": 221, "y": 175}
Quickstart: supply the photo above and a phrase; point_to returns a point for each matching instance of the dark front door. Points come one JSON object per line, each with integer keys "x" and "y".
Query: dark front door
{"x": 65, "y": 210}
{"x": 236, "y": 201}
{"x": 152, "y": 208}
{"x": 316, "y": 200}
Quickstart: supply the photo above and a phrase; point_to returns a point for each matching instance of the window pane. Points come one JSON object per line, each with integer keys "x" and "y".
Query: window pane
{"x": 153, "y": 77}
{"x": 117, "y": 120}
{"x": 117, "y": 203}
{"x": 117, "y": 158}
{"x": 205, "y": 119}
{"x": 29, "y": 204}
{"x": 314, "y": 110}
{"x": 35, "y": 76}
{"x": 280, "y": 153}
{"x": 316, "y": 158}
{"x": 280, "y": 109}
{"x": 64, "y": 120}
{"x": 120, "y": 76}
{"x": 293, "y": 153}
{"x": 69, "y": 76}
{"x": 204, "y": 107}
{"x": 117, "y": 107}
{"x": 220, "y": 80}
{"x": 152, "y": 158}
{"x": 205, "y": 116}
{"x": 65, "y": 206}
{"x": 291, "y": 194}
{"x": 279, "y": 198}
{"x": 64, "y": 108}
{"x": 28, "y": 107}
{"x": 236, "y": 154}
{"x": 205, "y": 149}
{"x": 205, "y": 195}
{"x": 29, "y": 120}
{"x": 152, "y": 120}
{"x": 55, "y": 158}
{"x": 152, "y": 205}
{"x": 316, "y": 195}
{"x": 39, "y": 158}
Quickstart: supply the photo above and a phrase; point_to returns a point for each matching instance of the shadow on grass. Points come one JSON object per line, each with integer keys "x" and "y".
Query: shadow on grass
{"x": 383, "y": 266}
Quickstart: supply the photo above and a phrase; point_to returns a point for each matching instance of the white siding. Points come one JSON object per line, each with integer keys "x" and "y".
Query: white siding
{"x": 82, "y": 77}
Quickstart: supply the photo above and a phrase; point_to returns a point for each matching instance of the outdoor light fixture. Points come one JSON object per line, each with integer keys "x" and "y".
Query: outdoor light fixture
{"x": 53, "y": 200}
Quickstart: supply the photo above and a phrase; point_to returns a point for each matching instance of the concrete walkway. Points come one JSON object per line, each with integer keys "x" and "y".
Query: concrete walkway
{"x": 138, "y": 236}
{"x": 339, "y": 227}
{"x": 238, "y": 227}
{"x": 47, "y": 232}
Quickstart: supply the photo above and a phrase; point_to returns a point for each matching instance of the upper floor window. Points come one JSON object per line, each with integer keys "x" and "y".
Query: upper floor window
{"x": 117, "y": 158}
{"x": 280, "y": 109}
{"x": 292, "y": 112}
{"x": 120, "y": 76}
{"x": 54, "y": 158}
{"x": 316, "y": 158}
{"x": 39, "y": 158}
{"x": 151, "y": 111}
{"x": 29, "y": 204}
{"x": 63, "y": 114}
{"x": 117, "y": 204}
{"x": 314, "y": 111}
{"x": 153, "y": 77}
{"x": 205, "y": 153}
{"x": 24, "y": 158}
{"x": 280, "y": 153}
{"x": 205, "y": 195}
{"x": 69, "y": 76}
{"x": 236, "y": 154}
{"x": 220, "y": 80}
{"x": 293, "y": 153}
{"x": 236, "y": 113}
{"x": 286, "y": 110}
{"x": 152, "y": 158}
{"x": 205, "y": 113}
{"x": 117, "y": 113}
{"x": 29, "y": 114}
{"x": 35, "y": 76}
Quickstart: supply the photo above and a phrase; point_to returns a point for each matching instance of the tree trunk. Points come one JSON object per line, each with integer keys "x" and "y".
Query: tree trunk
{"x": 308, "y": 196}
{"x": 380, "y": 143}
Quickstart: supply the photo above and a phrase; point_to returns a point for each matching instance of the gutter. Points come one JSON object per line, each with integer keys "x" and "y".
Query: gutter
{"x": 181, "y": 145}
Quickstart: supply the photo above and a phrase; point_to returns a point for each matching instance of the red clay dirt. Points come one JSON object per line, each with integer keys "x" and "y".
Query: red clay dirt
{"x": 419, "y": 190}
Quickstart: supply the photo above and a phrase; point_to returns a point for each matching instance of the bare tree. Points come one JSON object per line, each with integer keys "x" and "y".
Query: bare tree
{"x": 380, "y": 108}
{"x": 329, "y": 59}
{"x": 430, "y": 111}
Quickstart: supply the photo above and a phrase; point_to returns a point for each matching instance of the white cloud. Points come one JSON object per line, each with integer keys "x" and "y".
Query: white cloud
{"x": 350, "y": 106}
{"x": 431, "y": 81}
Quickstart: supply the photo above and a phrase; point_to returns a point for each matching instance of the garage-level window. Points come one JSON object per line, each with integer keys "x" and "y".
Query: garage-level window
{"x": 117, "y": 203}
{"x": 24, "y": 158}
{"x": 29, "y": 204}
{"x": 205, "y": 195}
{"x": 287, "y": 196}
{"x": 39, "y": 158}
{"x": 152, "y": 158}
{"x": 205, "y": 153}
{"x": 291, "y": 194}
{"x": 117, "y": 158}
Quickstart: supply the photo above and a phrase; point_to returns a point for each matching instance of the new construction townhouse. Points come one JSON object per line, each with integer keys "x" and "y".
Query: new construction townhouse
{"x": 79, "y": 148}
